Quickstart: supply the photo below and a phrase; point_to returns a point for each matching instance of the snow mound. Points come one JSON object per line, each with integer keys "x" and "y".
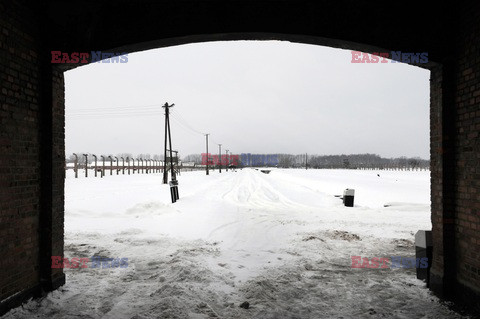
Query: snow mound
{"x": 149, "y": 209}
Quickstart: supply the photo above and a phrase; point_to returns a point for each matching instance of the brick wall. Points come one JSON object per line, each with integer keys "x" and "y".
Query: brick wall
{"x": 57, "y": 161}
{"x": 467, "y": 148}
{"x": 455, "y": 161}
{"x": 25, "y": 102}
{"x": 436, "y": 168}
{"x": 19, "y": 150}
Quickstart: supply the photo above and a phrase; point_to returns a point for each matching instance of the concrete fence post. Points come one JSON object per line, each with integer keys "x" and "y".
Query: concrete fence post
{"x": 111, "y": 165}
{"x": 86, "y": 164}
{"x": 75, "y": 165}
{"x": 95, "y": 158}
{"x": 103, "y": 167}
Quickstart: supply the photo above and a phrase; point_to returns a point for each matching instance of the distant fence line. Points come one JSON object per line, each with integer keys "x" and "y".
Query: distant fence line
{"x": 375, "y": 167}
{"x": 101, "y": 165}
{"x": 122, "y": 165}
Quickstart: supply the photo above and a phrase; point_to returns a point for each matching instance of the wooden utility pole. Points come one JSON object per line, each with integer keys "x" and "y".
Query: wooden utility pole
{"x": 226, "y": 165}
{"x": 167, "y": 131}
{"x": 206, "y": 135}
{"x": 174, "y": 182}
{"x": 219, "y": 158}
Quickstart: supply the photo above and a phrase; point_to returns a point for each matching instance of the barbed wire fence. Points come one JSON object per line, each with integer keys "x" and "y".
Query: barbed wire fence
{"x": 91, "y": 165}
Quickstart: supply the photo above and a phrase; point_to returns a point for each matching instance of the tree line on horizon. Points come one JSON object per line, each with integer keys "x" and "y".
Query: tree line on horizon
{"x": 351, "y": 161}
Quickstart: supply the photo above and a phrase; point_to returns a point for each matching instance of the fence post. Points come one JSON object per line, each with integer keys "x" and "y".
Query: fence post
{"x": 86, "y": 164}
{"x": 141, "y": 160}
{"x": 95, "y": 157}
{"x": 123, "y": 165}
{"x": 103, "y": 168}
{"x": 111, "y": 165}
{"x": 75, "y": 165}
{"x": 116, "y": 164}
{"x": 128, "y": 164}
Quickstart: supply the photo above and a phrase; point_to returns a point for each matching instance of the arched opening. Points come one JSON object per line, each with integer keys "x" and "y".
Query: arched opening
{"x": 211, "y": 244}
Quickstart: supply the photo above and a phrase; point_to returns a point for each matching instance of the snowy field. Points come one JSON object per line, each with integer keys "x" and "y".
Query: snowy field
{"x": 282, "y": 242}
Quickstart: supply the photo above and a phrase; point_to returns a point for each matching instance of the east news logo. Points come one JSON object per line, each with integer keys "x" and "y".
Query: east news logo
{"x": 395, "y": 262}
{"x": 394, "y": 56}
{"x": 94, "y": 56}
{"x": 97, "y": 262}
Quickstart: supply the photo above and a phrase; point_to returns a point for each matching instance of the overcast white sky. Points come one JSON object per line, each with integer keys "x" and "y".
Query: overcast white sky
{"x": 253, "y": 97}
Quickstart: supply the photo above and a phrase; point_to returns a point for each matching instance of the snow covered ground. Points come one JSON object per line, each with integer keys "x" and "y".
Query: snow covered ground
{"x": 280, "y": 241}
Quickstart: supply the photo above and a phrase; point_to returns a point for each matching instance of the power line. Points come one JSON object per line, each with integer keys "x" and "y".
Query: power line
{"x": 152, "y": 106}
{"x": 186, "y": 129}
{"x": 184, "y": 122}
{"x": 214, "y": 142}
{"x": 132, "y": 111}
{"x": 181, "y": 120}
{"x": 110, "y": 112}
{"x": 128, "y": 111}
{"x": 110, "y": 115}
